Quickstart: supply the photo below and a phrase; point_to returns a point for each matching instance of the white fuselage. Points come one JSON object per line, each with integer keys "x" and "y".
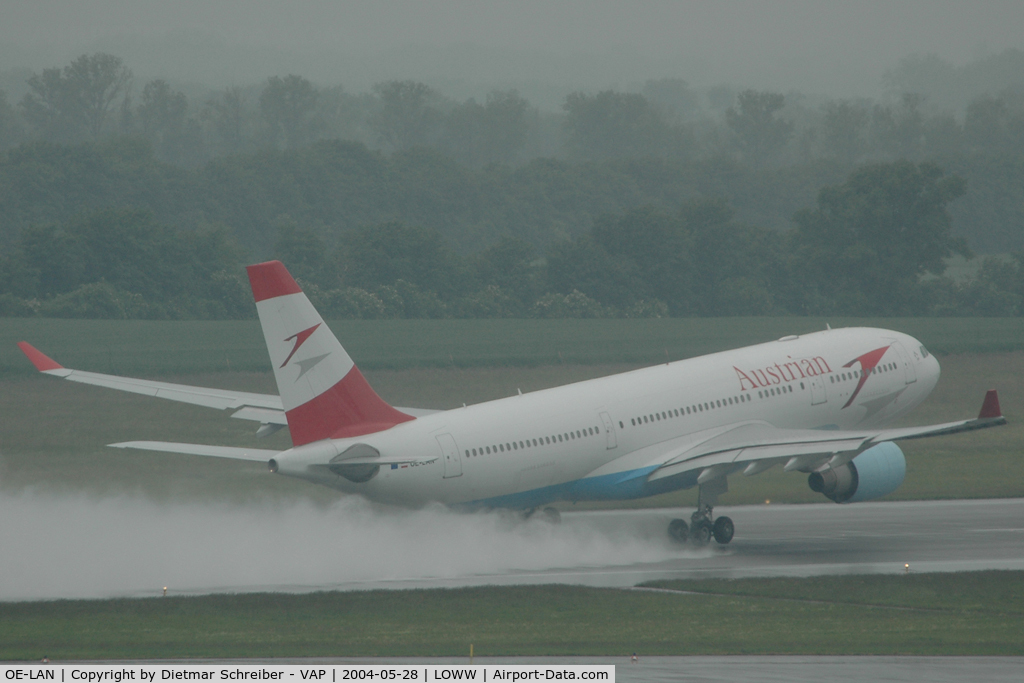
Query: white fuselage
{"x": 582, "y": 441}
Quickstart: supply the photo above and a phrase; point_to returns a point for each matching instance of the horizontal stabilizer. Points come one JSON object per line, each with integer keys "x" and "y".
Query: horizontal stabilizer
{"x": 255, "y": 454}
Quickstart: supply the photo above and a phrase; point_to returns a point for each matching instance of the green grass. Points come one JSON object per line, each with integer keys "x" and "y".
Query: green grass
{"x": 151, "y": 348}
{"x": 931, "y": 614}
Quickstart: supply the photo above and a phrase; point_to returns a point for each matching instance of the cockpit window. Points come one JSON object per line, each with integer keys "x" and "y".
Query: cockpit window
{"x": 924, "y": 352}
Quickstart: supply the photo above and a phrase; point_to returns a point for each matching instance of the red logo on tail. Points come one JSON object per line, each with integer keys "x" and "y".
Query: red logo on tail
{"x": 299, "y": 338}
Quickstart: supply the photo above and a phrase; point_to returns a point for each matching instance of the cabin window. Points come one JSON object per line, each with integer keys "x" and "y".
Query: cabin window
{"x": 687, "y": 410}
{"x": 515, "y": 446}
{"x": 488, "y": 450}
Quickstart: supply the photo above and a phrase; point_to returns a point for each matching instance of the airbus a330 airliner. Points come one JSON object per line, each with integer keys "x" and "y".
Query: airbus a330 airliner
{"x": 814, "y": 403}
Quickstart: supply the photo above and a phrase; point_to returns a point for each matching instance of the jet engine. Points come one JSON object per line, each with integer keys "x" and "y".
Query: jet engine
{"x": 872, "y": 474}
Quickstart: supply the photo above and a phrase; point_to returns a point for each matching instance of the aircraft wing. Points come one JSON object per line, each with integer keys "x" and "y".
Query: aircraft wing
{"x": 263, "y": 408}
{"x": 758, "y": 446}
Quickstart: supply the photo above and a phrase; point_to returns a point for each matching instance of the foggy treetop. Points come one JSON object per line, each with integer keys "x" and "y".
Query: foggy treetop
{"x": 543, "y": 49}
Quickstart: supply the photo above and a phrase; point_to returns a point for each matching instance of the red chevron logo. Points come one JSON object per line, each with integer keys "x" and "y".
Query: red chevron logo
{"x": 867, "y": 363}
{"x": 299, "y": 338}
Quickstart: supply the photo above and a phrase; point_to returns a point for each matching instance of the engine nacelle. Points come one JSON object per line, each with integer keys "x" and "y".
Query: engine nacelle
{"x": 874, "y": 473}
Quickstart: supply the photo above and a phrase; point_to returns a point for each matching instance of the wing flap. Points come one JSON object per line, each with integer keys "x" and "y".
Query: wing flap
{"x": 222, "y": 399}
{"x": 263, "y": 415}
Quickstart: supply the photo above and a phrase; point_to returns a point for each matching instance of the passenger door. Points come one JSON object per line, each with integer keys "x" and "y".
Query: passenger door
{"x": 450, "y": 455}
{"x": 609, "y": 431}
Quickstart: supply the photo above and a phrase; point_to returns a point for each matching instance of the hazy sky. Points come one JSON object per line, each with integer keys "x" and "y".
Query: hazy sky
{"x": 830, "y": 47}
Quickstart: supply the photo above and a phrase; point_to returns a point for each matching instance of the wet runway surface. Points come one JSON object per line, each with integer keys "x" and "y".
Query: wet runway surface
{"x": 786, "y": 540}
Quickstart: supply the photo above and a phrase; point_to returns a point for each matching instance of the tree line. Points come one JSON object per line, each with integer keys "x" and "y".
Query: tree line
{"x": 95, "y": 97}
{"x": 875, "y": 244}
{"x": 666, "y": 201}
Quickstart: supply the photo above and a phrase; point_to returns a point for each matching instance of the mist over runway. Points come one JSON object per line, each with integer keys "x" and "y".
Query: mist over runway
{"x": 82, "y": 547}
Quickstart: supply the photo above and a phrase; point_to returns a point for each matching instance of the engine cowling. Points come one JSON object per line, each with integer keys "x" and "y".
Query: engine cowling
{"x": 874, "y": 473}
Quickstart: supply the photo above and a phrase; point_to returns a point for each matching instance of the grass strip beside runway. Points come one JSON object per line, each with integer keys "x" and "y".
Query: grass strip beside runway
{"x": 930, "y": 614}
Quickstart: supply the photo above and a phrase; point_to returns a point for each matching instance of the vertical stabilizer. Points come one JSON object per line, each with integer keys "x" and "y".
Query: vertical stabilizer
{"x": 323, "y": 392}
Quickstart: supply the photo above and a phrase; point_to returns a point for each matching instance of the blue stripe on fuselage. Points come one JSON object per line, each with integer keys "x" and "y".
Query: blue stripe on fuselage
{"x": 616, "y": 486}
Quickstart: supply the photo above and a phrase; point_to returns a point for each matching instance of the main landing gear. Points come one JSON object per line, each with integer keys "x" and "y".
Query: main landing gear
{"x": 548, "y": 514}
{"x": 703, "y": 527}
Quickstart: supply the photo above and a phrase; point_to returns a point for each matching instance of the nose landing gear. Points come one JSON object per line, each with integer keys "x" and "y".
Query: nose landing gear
{"x": 703, "y": 526}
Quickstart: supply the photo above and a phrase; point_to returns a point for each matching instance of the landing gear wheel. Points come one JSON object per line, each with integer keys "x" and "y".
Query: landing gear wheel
{"x": 723, "y": 530}
{"x": 551, "y": 516}
{"x": 678, "y": 531}
{"x": 700, "y": 533}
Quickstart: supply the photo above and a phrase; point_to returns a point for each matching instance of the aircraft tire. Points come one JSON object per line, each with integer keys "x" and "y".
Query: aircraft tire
{"x": 551, "y": 516}
{"x": 700, "y": 534}
{"x": 723, "y": 530}
{"x": 678, "y": 531}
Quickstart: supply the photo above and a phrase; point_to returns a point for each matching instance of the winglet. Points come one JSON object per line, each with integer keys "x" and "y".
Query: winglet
{"x": 39, "y": 359}
{"x": 990, "y": 408}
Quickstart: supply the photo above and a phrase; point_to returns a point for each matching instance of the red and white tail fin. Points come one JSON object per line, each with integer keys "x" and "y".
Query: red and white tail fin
{"x": 323, "y": 392}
